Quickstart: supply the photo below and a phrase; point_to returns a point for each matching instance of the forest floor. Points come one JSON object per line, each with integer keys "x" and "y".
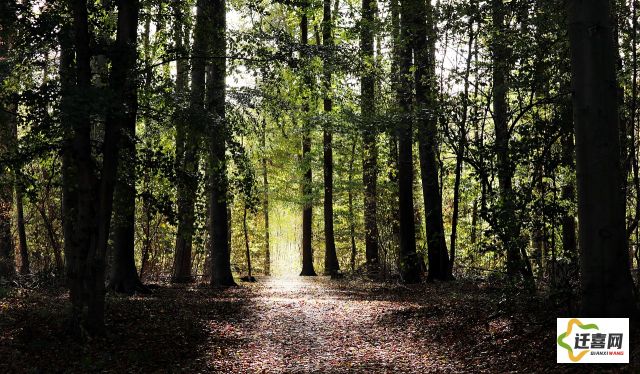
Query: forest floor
{"x": 294, "y": 325}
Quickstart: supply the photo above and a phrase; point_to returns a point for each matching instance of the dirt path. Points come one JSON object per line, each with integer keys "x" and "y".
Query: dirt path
{"x": 309, "y": 325}
{"x": 312, "y": 325}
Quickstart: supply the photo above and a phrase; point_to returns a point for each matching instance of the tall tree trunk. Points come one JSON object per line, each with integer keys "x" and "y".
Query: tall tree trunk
{"x": 369, "y": 133}
{"x": 219, "y": 132}
{"x": 462, "y": 144}
{"x": 246, "y": 241}
{"x": 423, "y": 40}
{"x": 409, "y": 263}
{"x": 568, "y": 190}
{"x": 307, "y": 180}
{"x": 188, "y": 137}
{"x": 69, "y": 190}
{"x": 607, "y": 289}
{"x": 22, "y": 235}
{"x": 331, "y": 265}
{"x": 265, "y": 201}
{"x": 508, "y": 227}
{"x": 7, "y": 108}
{"x": 124, "y": 276}
{"x": 352, "y": 217}
{"x": 7, "y": 261}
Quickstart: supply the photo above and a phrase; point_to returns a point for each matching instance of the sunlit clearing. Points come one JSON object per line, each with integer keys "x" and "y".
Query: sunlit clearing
{"x": 286, "y": 233}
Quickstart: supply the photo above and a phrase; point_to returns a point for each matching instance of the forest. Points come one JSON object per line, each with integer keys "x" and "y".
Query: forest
{"x": 316, "y": 186}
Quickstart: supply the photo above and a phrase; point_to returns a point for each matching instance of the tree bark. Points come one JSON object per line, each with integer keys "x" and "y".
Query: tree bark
{"x": 369, "y": 134}
{"x": 409, "y": 263}
{"x": 188, "y": 139}
{"x": 124, "y": 276}
{"x": 218, "y": 135}
{"x": 508, "y": 226}
{"x": 331, "y": 265}
{"x": 607, "y": 289}
{"x": 423, "y": 40}
{"x": 22, "y": 235}
{"x": 265, "y": 201}
{"x": 352, "y": 217}
{"x": 7, "y": 108}
{"x": 307, "y": 180}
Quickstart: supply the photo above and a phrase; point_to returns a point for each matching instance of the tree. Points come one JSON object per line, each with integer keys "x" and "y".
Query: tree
{"x": 331, "y": 265}
{"x": 369, "y": 133}
{"x": 607, "y": 288}
{"x": 188, "y": 135}
{"x": 507, "y": 223}
{"x": 265, "y": 199}
{"x": 462, "y": 143}
{"x": 409, "y": 261}
{"x": 7, "y": 119}
{"x": 218, "y": 134}
{"x": 307, "y": 180}
{"x": 423, "y": 42}
{"x": 124, "y": 277}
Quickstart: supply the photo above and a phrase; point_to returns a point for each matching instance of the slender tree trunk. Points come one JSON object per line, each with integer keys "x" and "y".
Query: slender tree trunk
{"x": 369, "y": 135}
{"x": 7, "y": 261}
{"x": 307, "y": 188}
{"x": 69, "y": 190}
{"x": 265, "y": 201}
{"x": 509, "y": 231}
{"x": 331, "y": 265}
{"x": 188, "y": 139}
{"x": 53, "y": 239}
{"x": 423, "y": 40}
{"x": 462, "y": 144}
{"x": 124, "y": 276}
{"x": 607, "y": 288}
{"x": 568, "y": 190}
{"x": 22, "y": 235}
{"x": 409, "y": 263}
{"x": 246, "y": 241}
{"x": 7, "y": 120}
{"x": 352, "y": 217}
{"x": 219, "y": 132}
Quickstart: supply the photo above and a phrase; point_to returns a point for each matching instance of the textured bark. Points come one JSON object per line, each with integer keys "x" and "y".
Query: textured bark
{"x": 188, "y": 139}
{"x": 508, "y": 226}
{"x": 124, "y": 276}
{"x": 22, "y": 235}
{"x": 7, "y": 107}
{"x": 607, "y": 288}
{"x": 369, "y": 135}
{"x": 246, "y": 242}
{"x": 307, "y": 216}
{"x": 408, "y": 258}
{"x": 352, "y": 217}
{"x": 331, "y": 265}
{"x": 265, "y": 201}
{"x": 423, "y": 41}
{"x": 218, "y": 135}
